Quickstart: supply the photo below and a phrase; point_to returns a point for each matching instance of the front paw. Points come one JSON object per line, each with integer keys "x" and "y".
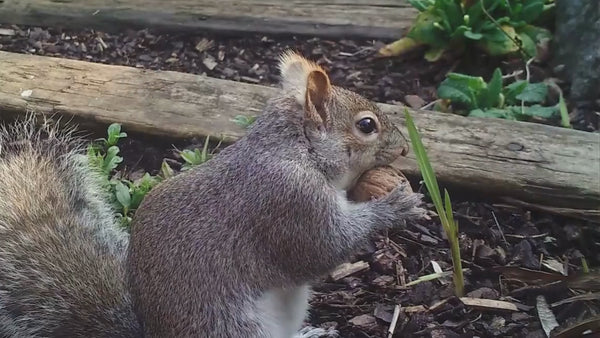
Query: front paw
{"x": 405, "y": 204}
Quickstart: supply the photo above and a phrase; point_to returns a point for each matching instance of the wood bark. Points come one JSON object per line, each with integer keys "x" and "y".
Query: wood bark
{"x": 550, "y": 167}
{"x": 380, "y": 19}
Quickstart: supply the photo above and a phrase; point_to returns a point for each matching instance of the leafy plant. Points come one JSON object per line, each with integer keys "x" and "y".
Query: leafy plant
{"x": 104, "y": 153}
{"x": 195, "y": 157}
{"x": 130, "y": 194}
{"x": 472, "y": 96}
{"x": 498, "y": 27}
{"x": 244, "y": 121}
{"x": 125, "y": 195}
{"x": 443, "y": 207}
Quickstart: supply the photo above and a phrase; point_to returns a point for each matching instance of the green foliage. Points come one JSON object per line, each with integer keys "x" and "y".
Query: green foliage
{"x": 498, "y": 27}
{"x": 472, "y": 96}
{"x": 443, "y": 208}
{"x": 564, "y": 113}
{"x": 126, "y": 195}
{"x": 195, "y": 157}
{"x": 244, "y": 121}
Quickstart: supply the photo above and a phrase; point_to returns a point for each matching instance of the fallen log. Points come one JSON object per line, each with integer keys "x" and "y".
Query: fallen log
{"x": 381, "y": 19}
{"x": 554, "y": 168}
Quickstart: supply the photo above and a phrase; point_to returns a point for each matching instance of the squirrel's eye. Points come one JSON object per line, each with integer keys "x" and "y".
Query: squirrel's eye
{"x": 366, "y": 125}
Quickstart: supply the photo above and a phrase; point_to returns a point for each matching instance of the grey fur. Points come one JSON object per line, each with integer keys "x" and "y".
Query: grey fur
{"x": 61, "y": 253}
{"x": 264, "y": 214}
{"x": 267, "y": 213}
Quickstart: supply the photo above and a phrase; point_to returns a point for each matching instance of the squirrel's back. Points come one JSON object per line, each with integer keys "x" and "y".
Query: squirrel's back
{"x": 61, "y": 253}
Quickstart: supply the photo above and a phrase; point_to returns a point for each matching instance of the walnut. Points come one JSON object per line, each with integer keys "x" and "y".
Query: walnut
{"x": 377, "y": 183}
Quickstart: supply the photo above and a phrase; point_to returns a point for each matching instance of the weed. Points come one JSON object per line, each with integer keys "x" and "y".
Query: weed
{"x": 244, "y": 121}
{"x": 444, "y": 209}
{"x": 472, "y": 96}
{"x": 497, "y": 27}
{"x": 126, "y": 195}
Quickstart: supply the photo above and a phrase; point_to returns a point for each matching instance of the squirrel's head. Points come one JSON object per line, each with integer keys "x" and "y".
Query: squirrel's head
{"x": 365, "y": 133}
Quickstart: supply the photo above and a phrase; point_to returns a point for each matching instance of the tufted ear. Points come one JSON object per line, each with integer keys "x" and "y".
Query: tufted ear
{"x": 309, "y": 84}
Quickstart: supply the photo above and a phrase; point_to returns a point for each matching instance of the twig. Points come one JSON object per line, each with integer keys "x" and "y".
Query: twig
{"x": 499, "y": 228}
{"x": 394, "y": 321}
{"x": 526, "y": 79}
{"x": 429, "y": 105}
{"x": 513, "y": 74}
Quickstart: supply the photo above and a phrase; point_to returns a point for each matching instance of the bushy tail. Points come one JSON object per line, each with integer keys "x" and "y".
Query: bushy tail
{"x": 61, "y": 253}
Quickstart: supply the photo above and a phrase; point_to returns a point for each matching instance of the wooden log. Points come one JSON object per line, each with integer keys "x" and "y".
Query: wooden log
{"x": 555, "y": 168}
{"x": 380, "y": 19}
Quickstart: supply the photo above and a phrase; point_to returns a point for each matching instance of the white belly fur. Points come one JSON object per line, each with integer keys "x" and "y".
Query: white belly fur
{"x": 284, "y": 310}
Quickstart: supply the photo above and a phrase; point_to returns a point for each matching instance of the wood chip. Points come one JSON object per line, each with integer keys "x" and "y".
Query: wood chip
{"x": 438, "y": 269}
{"x": 414, "y": 309}
{"x": 348, "y": 269}
{"x": 394, "y": 322}
{"x": 414, "y": 101}
{"x": 363, "y": 321}
{"x": 203, "y": 45}
{"x": 7, "y": 31}
{"x": 488, "y": 304}
{"x": 209, "y": 62}
{"x": 555, "y": 266}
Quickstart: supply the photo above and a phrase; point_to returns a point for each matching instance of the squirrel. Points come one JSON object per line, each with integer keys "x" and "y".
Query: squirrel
{"x": 62, "y": 255}
{"x": 226, "y": 249}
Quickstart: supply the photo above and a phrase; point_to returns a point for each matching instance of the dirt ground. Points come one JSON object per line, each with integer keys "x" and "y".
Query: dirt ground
{"x": 512, "y": 255}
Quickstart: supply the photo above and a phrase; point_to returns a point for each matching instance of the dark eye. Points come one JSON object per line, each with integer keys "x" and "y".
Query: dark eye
{"x": 367, "y": 125}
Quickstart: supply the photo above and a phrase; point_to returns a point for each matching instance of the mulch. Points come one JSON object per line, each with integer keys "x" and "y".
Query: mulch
{"x": 512, "y": 255}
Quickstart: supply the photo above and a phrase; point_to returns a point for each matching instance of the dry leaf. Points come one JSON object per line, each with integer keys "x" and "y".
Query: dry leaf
{"x": 488, "y": 304}
{"x": 545, "y": 315}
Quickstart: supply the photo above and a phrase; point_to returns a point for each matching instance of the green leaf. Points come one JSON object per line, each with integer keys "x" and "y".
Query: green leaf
{"x": 538, "y": 111}
{"x": 421, "y": 5}
{"x": 491, "y": 97}
{"x": 244, "y": 121}
{"x": 205, "y": 155}
{"x": 448, "y": 207}
{"x": 453, "y": 12}
{"x": 166, "y": 171}
{"x": 527, "y": 44}
{"x": 531, "y": 10}
{"x": 424, "y": 30}
{"x": 114, "y": 134}
{"x": 190, "y": 156}
{"x": 506, "y": 114}
{"x": 434, "y": 54}
{"x": 122, "y": 194}
{"x": 454, "y": 94}
{"x": 495, "y": 44}
{"x": 535, "y": 33}
{"x": 473, "y": 36}
{"x": 461, "y": 88}
{"x": 533, "y": 93}
{"x": 424, "y": 165}
{"x": 565, "y": 120}
{"x": 476, "y": 15}
{"x": 111, "y": 160}
{"x": 513, "y": 90}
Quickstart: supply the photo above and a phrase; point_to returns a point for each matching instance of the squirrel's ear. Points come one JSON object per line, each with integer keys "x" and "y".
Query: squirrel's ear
{"x": 318, "y": 90}
{"x": 309, "y": 83}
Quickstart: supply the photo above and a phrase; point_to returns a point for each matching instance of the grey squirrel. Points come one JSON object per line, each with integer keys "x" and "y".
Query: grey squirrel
{"x": 227, "y": 249}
